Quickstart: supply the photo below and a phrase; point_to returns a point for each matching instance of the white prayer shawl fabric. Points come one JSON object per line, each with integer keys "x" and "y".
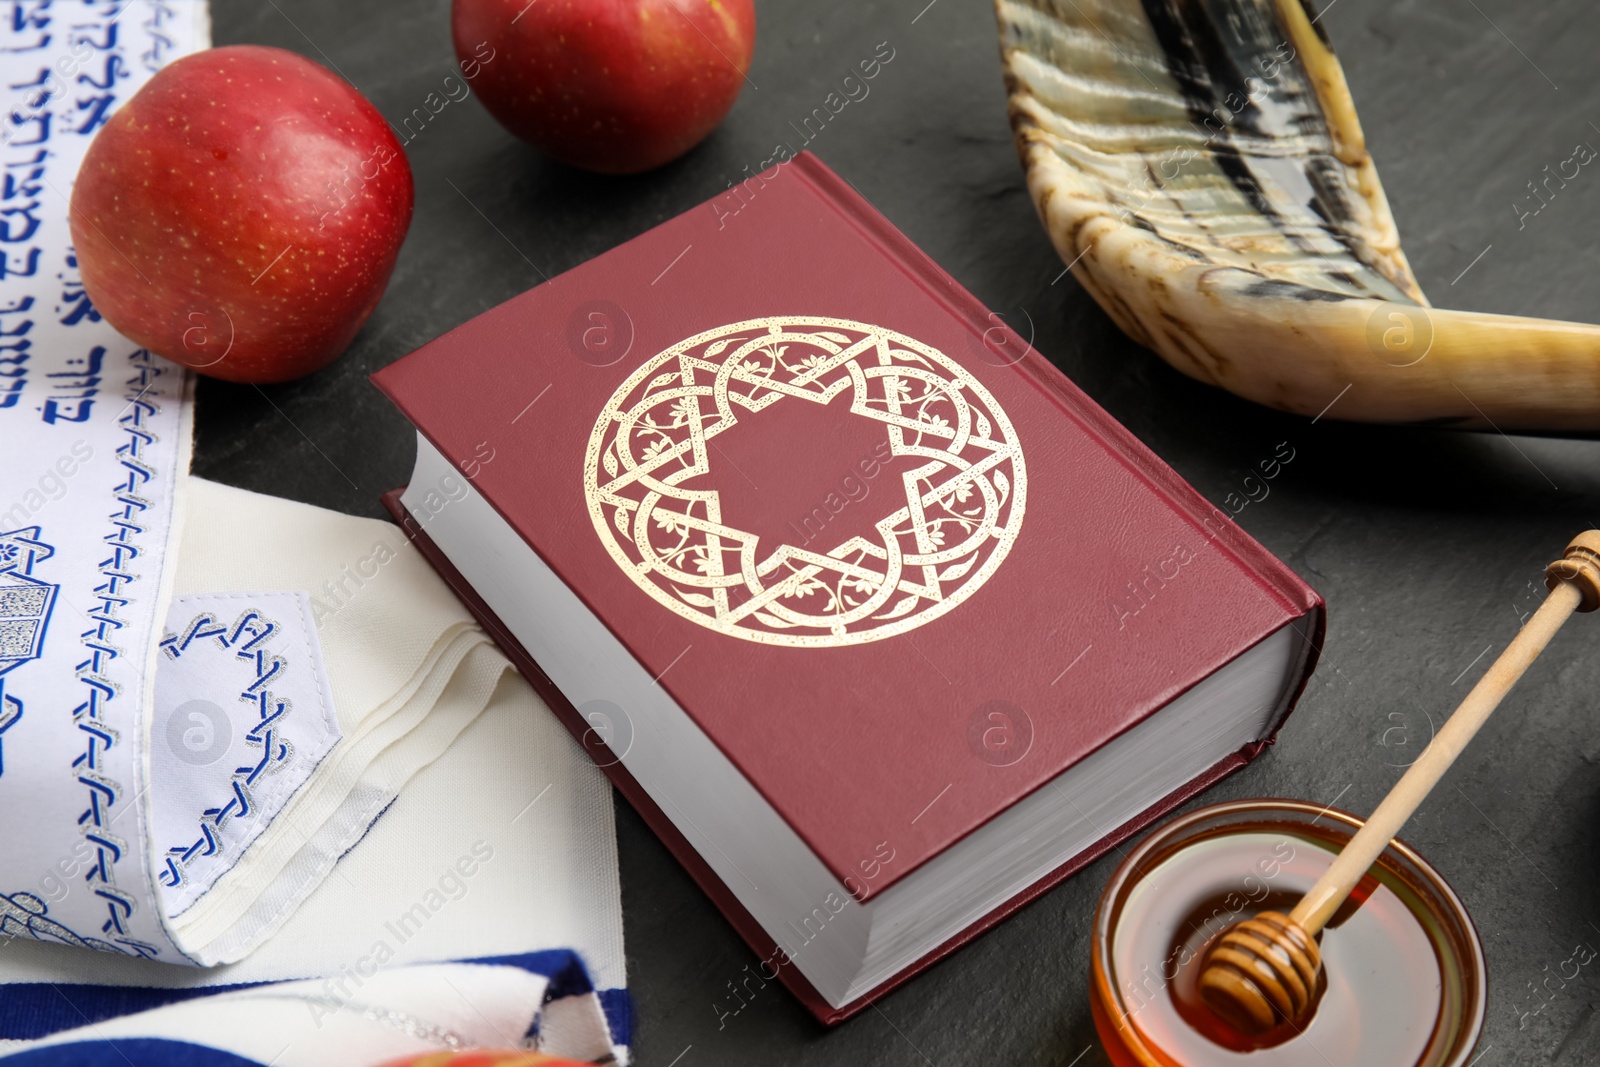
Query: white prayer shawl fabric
{"x": 94, "y": 447}
{"x": 482, "y": 832}
{"x": 396, "y": 642}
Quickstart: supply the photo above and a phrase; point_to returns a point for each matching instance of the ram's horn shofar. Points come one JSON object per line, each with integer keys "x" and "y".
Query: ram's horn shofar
{"x": 1200, "y": 166}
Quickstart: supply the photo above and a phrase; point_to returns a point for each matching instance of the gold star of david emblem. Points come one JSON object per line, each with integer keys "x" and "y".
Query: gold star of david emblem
{"x": 963, "y": 480}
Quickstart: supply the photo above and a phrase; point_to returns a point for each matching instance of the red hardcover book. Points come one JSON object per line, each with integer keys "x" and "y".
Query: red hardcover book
{"x": 882, "y": 624}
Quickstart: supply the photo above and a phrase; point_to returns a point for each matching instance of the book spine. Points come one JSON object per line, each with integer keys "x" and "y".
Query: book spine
{"x": 1296, "y": 597}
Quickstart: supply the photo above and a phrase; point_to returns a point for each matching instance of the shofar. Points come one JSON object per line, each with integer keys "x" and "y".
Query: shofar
{"x": 1201, "y": 168}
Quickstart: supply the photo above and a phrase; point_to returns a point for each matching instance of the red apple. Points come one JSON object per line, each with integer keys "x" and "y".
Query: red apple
{"x": 241, "y": 214}
{"x": 616, "y": 86}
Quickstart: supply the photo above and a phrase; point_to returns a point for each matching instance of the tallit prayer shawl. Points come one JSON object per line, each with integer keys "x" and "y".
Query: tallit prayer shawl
{"x": 95, "y": 438}
{"x": 250, "y": 737}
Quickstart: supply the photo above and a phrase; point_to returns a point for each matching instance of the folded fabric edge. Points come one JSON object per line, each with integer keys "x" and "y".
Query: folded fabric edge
{"x": 166, "y": 584}
{"x": 219, "y": 930}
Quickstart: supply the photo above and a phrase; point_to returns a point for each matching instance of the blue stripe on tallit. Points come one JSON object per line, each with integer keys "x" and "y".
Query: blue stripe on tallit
{"x": 123, "y": 1052}
{"x": 33, "y": 1010}
{"x": 618, "y": 1007}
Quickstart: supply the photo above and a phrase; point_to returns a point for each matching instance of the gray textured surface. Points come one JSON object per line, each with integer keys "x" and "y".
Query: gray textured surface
{"x": 1424, "y": 543}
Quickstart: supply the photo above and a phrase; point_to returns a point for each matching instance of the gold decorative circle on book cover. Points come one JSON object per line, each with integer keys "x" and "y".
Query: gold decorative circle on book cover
{"x": 918, "y": 524}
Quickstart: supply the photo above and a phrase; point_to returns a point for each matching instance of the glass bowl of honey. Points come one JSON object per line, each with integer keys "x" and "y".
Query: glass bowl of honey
{"x": 1402, "y": 982}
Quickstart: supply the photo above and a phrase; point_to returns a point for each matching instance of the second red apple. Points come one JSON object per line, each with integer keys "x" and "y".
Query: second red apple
{"x": 616, "y": 86}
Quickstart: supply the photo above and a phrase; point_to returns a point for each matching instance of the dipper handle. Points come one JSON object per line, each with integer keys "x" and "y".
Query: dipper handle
{"x": 1574, "y": 583}
{"x": 1264, "y": 971}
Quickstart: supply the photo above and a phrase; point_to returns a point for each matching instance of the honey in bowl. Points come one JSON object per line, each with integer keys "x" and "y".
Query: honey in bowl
{"x": 1402, "y": 982}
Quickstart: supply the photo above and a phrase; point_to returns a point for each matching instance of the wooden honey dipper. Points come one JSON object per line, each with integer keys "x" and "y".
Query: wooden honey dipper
{"x": 1264, "y": 971}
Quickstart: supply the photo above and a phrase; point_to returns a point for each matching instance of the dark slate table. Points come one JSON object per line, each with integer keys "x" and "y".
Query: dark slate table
{"x": 1428, "y": 545}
